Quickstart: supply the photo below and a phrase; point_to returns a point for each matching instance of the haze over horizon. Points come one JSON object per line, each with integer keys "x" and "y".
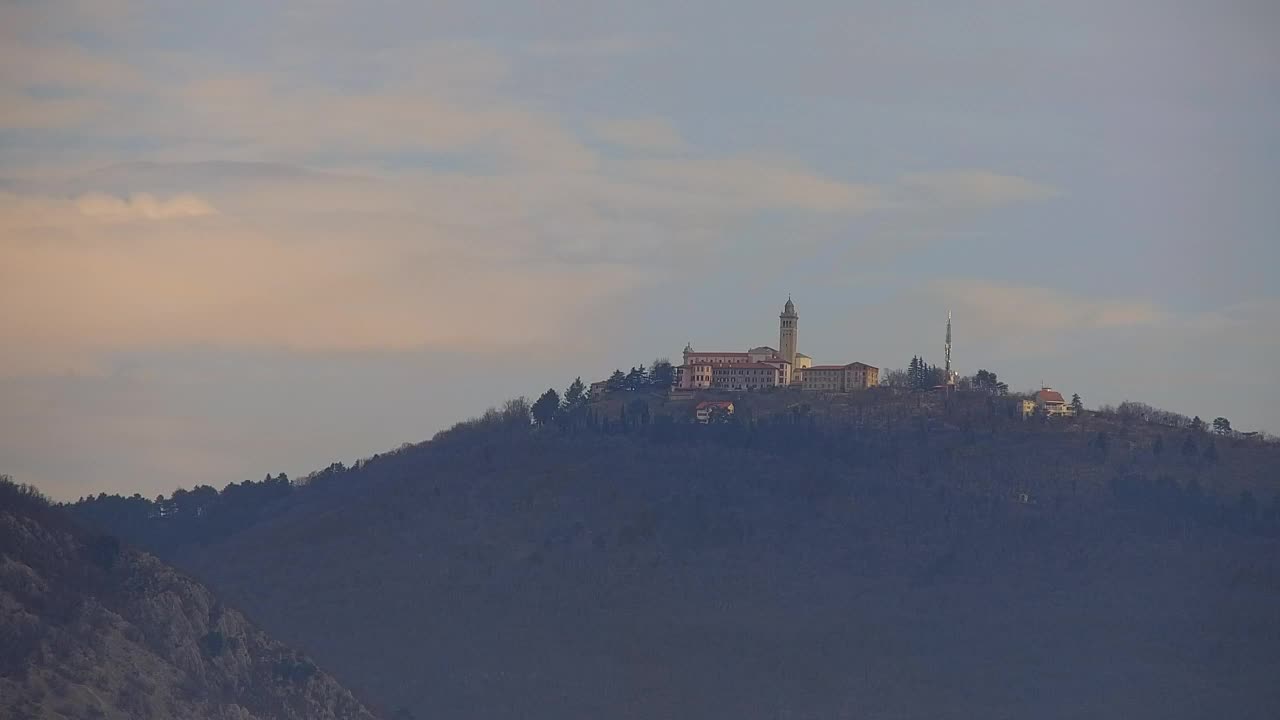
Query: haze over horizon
{"x": 237, "y": 240}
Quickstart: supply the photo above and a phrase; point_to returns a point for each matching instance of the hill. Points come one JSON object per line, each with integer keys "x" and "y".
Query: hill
{"x": 92, "y": 629}
{"x": 905, "y": 561}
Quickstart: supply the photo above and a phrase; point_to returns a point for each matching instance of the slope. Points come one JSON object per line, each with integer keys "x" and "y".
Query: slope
{"x": 91, "y": 629}
{"x": 773, "y": 571}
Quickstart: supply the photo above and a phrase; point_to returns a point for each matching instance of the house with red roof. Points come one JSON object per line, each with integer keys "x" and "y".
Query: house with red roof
{"x": 706, "y": 410}
{"x": 1051, "y": 403}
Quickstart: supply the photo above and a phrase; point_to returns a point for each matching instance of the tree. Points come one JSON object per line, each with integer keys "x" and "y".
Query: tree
{"x": 637, "y": 379}
{"x": 1076, "y": 405}
{"x": 575, "y": 396}
{"x": 1158, "y": 446}
{"x": 616, "y": 381}
{"x": 922, "y": 376}
{"x": 661, "y": 374}
{"x": 514, "y": 413}
{"x": 895, "y": 378}
{"x": 1197, "y": 425}
{"x": 547, "y": 407}
{"x": 987, "y": 381}
{"x": 1222, "y": 426}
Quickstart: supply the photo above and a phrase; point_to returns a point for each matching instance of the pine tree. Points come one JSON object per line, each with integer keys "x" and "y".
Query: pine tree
{"x": 637, "y": 379}
{"x": 915, "y": 372}
{"x": 575, "y": 396}
{"x": 547, "y": 407}
{"x": 616, "y": 381}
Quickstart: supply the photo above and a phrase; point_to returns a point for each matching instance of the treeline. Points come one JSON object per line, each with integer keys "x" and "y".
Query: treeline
{"x": 1137, "y": 412}
{"x": 200, "y": 514}
{"x": 659, "y": 375}
{"x": 977, "y": 436}
{"x": 1009, "y": 455}
{"x": 921, "y": 375}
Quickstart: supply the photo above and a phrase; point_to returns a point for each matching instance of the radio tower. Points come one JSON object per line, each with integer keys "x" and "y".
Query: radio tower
{"x": 946, "y": 351}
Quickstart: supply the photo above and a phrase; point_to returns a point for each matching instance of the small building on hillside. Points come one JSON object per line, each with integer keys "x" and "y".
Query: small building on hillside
{"x": 1050, "y": 402}
{"x": 706, "y": 410}
{"x": 1027, "y": 407}
{"x": 598, "y": 389}
{"x": 840, "y": 378}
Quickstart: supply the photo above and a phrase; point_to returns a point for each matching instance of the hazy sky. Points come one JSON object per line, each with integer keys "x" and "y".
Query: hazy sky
{"x": 262, "y": 237}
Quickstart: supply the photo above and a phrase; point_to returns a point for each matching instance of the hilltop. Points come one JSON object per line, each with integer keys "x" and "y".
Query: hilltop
{"x": 90, "y": 628}
{"x": 925, "y": 560}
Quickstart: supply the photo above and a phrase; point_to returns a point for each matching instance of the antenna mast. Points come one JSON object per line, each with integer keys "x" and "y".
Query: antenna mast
{"x": 946, "y": 349}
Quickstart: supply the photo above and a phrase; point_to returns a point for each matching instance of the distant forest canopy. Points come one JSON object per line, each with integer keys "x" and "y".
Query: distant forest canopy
{"x": 1133, "y": 457}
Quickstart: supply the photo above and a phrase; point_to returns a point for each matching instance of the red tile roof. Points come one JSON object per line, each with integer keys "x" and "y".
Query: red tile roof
{"x": 1049, "y": 396}
{"x": 842, "y": 367}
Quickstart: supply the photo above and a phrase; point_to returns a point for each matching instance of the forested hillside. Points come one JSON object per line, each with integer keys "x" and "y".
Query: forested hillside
{"x": 93, "y": 629}
{"x": 890, "y": 561}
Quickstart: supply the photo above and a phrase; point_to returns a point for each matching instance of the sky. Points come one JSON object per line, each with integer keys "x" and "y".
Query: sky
{"x": 242, "y": 238}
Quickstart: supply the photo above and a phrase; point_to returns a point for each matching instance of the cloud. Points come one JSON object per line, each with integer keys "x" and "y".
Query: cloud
{"x": 744, "y": 183}
{"x": 650, "y": 134}
{"x": 276, "y": 275}
{"x": 967, "y": 189}
{"x": 310, "y": 261}
{"x": 1039, "y": 319}
{"x": 142, "y": 206}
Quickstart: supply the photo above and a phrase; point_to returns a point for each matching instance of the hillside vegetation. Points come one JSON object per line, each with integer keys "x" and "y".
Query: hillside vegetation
{"x": 92, "y": 629}
{"x": 870, "y": 556}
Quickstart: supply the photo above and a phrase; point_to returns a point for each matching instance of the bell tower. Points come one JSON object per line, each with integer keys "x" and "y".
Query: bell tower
{"x": 788, "y": 328}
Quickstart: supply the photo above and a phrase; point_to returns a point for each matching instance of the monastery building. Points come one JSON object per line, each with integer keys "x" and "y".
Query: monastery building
{"x": 764, "y": 367}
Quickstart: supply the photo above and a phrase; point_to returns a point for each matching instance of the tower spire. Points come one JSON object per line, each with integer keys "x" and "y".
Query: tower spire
{"x": 788, "y": 328}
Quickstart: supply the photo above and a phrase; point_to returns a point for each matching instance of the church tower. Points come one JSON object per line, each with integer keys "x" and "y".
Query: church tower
{"x": 788, "y": 327}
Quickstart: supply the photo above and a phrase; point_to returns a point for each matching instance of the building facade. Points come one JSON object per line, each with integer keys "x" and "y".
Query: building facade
{"x": 840, "y": 378}
{"x": 1051, "y": 403}
{"x": 746, "y": 376}
{"x": 764, "y": 367}
{"x": 788, "y": 332}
